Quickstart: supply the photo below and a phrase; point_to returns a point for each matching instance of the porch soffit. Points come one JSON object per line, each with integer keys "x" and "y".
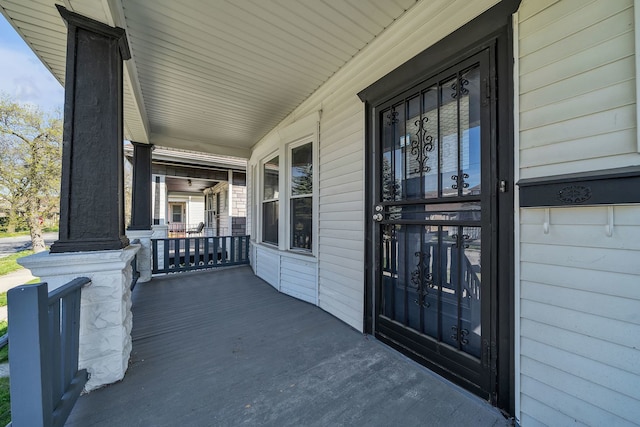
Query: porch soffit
{"x": 214, "y": 76}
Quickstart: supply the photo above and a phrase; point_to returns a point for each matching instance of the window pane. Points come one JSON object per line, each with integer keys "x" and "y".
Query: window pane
{"x": 449, "y": 136}
{"x": 430, "y": 145}
{"x": 301, "y": 170}
{"x": 271, "y": 179}
{"x": 301, "y": 232}
{"x": 414, "y": 155}
{"x": 176, "y": 213}
{"x": 270, "y": 222}
{"x": 470, "y": 128}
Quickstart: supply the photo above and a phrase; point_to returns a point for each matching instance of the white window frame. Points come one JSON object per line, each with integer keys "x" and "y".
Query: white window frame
{"x": 262, "y": 201}
{"x": 253, "y": 202}
{"x": 302, "y": 131}
{"x": 289, "y": 161}
{"x": 636, "y": 15}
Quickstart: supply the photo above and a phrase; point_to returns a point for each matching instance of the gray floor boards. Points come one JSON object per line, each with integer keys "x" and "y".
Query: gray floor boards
{"x": 223, "y": 348}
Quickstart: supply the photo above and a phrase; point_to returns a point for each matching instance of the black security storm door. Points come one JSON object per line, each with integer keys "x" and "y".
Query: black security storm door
{"x": 432, "y": 211}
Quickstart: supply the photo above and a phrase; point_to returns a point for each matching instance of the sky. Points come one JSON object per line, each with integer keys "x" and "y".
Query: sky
{"x": 22, "y": 75}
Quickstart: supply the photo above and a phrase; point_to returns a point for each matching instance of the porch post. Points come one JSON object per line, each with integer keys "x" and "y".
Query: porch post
{"x": 141, "y": 203}
{"x": 92, "y": 241}
{"x": 91, "y": 194}
{"x": 140, "y": 227}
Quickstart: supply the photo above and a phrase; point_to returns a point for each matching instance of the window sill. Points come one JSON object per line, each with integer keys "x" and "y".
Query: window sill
{"x": 291, "y": 253}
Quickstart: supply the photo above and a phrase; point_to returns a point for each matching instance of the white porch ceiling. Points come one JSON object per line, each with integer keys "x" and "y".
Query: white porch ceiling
{"x": 214, "y": 76}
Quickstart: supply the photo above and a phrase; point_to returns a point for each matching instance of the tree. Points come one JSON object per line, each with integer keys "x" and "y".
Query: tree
{"x": 30, "y": 162}
{"x": 302, "y": 179}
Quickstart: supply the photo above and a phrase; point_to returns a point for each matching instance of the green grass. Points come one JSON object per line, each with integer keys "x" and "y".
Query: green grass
{"x": 3, "y": 300}
{"x": 26, "y": 232}
{"x": 15, "y": 234}
{"x": 5, "y": 402}
{"x": 9, "y": 263}
{"x": 4, "y": 353}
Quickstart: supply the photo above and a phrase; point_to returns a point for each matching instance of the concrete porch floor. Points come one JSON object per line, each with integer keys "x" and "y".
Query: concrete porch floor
{"x": 223, "y": 348}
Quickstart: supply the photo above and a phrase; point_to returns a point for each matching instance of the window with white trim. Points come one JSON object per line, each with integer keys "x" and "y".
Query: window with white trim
{"x": 270, "y": 200}
{"x": 301, "y": 197}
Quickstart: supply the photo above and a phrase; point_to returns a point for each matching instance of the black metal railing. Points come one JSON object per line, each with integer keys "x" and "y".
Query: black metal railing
{"x": 43, "y": 355}
{"x": 195, "y": 253}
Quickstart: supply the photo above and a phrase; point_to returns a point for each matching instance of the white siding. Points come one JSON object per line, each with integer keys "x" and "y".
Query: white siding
{"x": 222, "y": 191}
{"x": 580, "y": 316}
{"x": 577, "y": 86}
{"x": 298, "y": 278}
{"x": 292, "y": 274}
{"x": 195, "y": 210}
{"x": 267, "y": 266}
{"x": 341, "y": 151}
{"x": 579, "y": 287}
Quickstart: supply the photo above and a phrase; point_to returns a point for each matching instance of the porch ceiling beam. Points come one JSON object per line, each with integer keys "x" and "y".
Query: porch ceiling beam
{"x": 212, "y": 147}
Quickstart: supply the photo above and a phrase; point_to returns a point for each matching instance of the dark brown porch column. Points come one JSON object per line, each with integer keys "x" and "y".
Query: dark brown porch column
{"x": 92, "y": 196}
{"x": 141, "y": 197}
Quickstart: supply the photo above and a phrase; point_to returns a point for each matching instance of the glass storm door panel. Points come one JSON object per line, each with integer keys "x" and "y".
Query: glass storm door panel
{"x": 433, "y": 277}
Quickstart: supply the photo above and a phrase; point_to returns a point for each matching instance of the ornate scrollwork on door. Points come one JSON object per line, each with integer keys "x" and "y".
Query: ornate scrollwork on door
{"x": 459, "y": 335}
{"x": 421, "y": 146}
{"x": 463, "y": 90}
{"x": 460, "y": 240}
{"x": 392, "y": 117}
{"x": 456, "y": 178}
{"x": 422, "y": 279}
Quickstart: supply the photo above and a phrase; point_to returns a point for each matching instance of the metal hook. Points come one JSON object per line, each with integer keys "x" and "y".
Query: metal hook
{"x": 609, "y": 227}
{"x": 545, "y": 224}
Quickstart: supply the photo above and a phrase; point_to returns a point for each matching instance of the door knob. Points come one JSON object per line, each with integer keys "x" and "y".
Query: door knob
{"x": 377, "y": 217}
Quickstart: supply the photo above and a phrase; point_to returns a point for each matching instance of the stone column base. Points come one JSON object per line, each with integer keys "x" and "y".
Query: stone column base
{"x": 144, "y": 254}
{"x": 105, "y": 310}
{"x": 160, "y": 231}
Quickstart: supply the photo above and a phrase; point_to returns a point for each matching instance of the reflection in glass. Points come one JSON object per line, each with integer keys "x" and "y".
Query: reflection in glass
{"x": 270, "y": 195}
{"x": 301, "y": 233}
{"x": 430, "y": 129}
{"x": 449, "y": 135}
{"x": 470, "y": 129}
{"x": 431, "y": 282}
{"x": 400, "y": 142}
{"x": 431, "y": 141}
{"x": 301, "y": 170}
{"x": 430, "y": 158}
{"x": 469, "y": 211}
{"x": 471, "y": 274}
{"x": 414, "y": 153}
{"x": 270, "y": 190}
{"x": 270, "y": 222}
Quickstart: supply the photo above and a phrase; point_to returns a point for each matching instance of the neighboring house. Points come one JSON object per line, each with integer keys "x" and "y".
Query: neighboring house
{"x": 189, "y": 188}
{"x": 457, "y": 178}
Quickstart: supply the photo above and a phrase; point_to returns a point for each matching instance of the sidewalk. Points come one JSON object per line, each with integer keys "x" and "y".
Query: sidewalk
{"x": 11, "y": 280}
